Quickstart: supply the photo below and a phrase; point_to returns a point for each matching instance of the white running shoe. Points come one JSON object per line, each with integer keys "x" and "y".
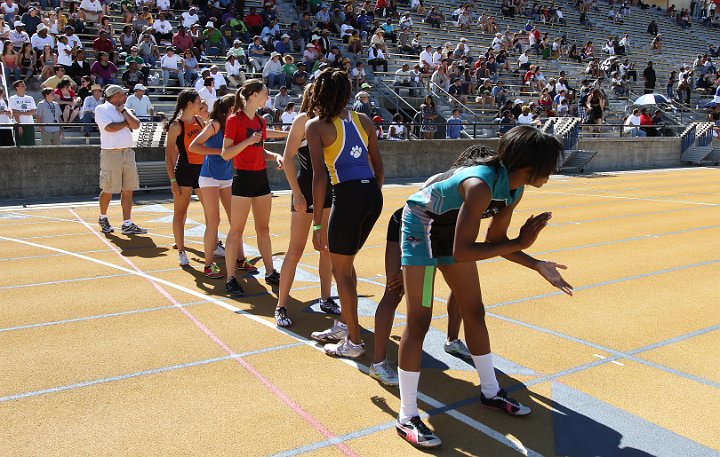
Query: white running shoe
{"x": 335, "y": 333}
{"x": 458, "y": 348}
{"x": 183, "y": 259}
{"x": 417, "y": 433}
{"x": 219, "y": 250}
{"x": 384, "y": 373}
{"x": 345, "y": 348}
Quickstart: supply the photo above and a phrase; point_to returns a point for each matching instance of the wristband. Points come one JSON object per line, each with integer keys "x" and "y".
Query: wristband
{"x": 316, "y": 227}
{"x": 173, "y": 180}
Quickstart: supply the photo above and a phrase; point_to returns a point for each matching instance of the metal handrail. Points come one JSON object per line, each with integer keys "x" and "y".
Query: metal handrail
{"x": 469, "y": 110}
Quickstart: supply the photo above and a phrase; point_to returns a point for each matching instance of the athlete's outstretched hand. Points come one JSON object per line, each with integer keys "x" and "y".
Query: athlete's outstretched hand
{"x": 531, "y": 229}
{"x": 320, "y": 240}
{"x": 549, "y": 271}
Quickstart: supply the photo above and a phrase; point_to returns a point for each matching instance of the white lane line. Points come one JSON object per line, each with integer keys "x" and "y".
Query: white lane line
{"x": 470, "y": 422}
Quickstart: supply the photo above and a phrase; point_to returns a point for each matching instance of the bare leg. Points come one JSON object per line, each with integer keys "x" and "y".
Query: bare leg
{"x": 105, "y": 198}
{"x": 180, "y": 207}
{"x": 261, "y": 208}
{"x": 125, "y": 202}
{"x": 454, "y": 319}
{"x": 211, "y": 208}
{"x": 418, "y": 319}
{"x": 385, "y": 312}
{"x": 238, "y": 218}
{"x": 346, "y": 280}
{"x": 299, "y": 227}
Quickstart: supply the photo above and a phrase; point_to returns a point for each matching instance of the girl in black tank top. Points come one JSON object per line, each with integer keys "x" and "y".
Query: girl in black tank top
{"x": 301, "y": 219}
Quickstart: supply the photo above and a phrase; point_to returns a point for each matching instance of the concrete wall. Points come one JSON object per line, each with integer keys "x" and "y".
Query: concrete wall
{"x": 41, "y": 172}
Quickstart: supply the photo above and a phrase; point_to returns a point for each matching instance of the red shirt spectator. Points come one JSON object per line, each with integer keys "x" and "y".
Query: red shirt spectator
{"x": 253, "y": 20}
{"x": 239, "y": 128}
{"x": 182, "y": 40}
{"x": 102, "y": 43}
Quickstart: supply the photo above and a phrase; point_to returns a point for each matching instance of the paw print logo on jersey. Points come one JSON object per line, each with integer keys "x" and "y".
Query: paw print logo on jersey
{"x": 356, "y": 151}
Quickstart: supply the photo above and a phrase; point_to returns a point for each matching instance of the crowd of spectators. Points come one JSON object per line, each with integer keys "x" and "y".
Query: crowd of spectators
{"x": 148, "y": 46}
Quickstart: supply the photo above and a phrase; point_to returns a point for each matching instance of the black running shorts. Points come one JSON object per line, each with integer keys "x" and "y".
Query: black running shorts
{"x": 355, "y": 208}
{"x": 394, "y": 226}
{"x": 188, "y": 175}
{"x": 250, "y": 183}
{"x": 306, "y": 190}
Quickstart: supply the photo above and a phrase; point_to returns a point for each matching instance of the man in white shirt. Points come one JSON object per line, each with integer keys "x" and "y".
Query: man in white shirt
{"x": 220, "y": 81}
{"x": 634, "y": 121}
{"x": 18, "y": 36}
{"x": 208, "y": 93}
{"x": 190, "y": 17}
{"x": 524, "y": 60}
{"x": 404, "y": 78}
{"x": 437, "y": 57}
{"x": 163, "y": 28}
{"x": 288, "y": 116}
{"x": 91, "y": 11}
{"x": 625, "y": 43}
{"x": 426, "y": 59}
{"x": 272, "y": 71}
{"x": 87, "y": 112}
{"x": 171, "y": 64}
{"x": 376, "y": 57}
{"x": 73, "y": 40}
{"x": 118, "y": 170}
{"x": 41, "y": 38}
{"x": 140, "y": 103}
{"x": 23, "y": 108}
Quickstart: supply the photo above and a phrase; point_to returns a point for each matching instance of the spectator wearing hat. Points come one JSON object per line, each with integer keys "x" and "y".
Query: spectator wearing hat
{"x": 268, "y": 12}
{"x": 305, "y": 26}
{"x": 140, "y": 103}
{"x": 406, "y": 22}
{"x": 234, "y": 72}
{"x": 87, "y": 112}
{"x": 18, "y": 36}
{"x": 148, "y": 50}
{"x": 238, "y": 52}
{"x": 362, "y": 104}
{"x": 310, "y": 55}
{"x": 220, "y": 81}
{"x": 91, "y": 11}
{"x": 282, "y": 46}
{"x": 132, "y": 76}
{"x": 190, "y": 17}
{"x": 118, "y": 170}
{"x": 272, "y": 71}
{"x": 289, "y": 68}
{"x": 257, "y": 54}
{"x": 214, "y": 41}
{"x": 171, "y": 64}
{"x": 377, "y": 57}
{"x": 31, "y": 19}
{"x": 378, "y": 39}
{"x": 300, "y": 77}
{"x": 41, "y": 38}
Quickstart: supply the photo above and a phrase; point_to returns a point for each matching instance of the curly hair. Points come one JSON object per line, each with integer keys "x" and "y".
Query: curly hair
{"x": 331, "y": 93}
{"x": 307, "y": 102}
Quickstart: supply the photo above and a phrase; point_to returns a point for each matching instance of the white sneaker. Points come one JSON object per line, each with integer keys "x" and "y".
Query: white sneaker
{"x": 219, "y": 250}
{"x": 183, "y": 259}
{"x": 345, "y": 348}
{"x": 458, "y": 348}
{"x": 384, "y": 373}
{"x": 335, "y": 333}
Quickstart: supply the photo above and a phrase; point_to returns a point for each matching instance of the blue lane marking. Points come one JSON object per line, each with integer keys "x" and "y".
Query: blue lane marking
{"x": 145, "y": 373}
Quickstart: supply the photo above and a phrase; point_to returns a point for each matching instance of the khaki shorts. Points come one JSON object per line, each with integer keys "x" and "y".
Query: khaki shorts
{"x": 118, "y": 170}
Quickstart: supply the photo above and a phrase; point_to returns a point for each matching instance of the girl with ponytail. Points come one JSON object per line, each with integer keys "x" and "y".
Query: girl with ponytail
{"x": 183, "y": 165}
{"x": 245, "y": 132}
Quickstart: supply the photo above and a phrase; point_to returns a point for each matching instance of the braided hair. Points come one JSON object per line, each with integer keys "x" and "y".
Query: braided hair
{"x": 185, "y": 97}
{"x": 331, "y": 93}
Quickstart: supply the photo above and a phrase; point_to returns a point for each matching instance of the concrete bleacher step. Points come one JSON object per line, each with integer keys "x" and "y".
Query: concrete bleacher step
{"x": 696, "y": 154}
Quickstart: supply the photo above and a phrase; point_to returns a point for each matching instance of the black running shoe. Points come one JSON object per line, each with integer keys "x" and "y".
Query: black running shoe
{"x": 504, "y": 403}
{"x": 105, "y": 226}
{"x": 417, "y": 433}
{"x": 132, "y": 229}
{"x": 273, "y": 278}
{"x": 234, "y": 288}
{"x": 329, "y": 306}
{"x": 281, "y": 317}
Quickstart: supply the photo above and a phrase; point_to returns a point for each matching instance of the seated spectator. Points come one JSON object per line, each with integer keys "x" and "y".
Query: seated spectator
{"x": 282, "y": 46}
{"x": 257, "y": 54}
{"x": 358, "y": 76}
{"x": 208, "y": 93}
{"x": 163, "y": 29}
{"x": 289, "y": 68}
{"x": 280, "y": 102}
{"x": 506, "y": 122}
{"x": 457, "y": 92}
{"x": 377, "y": 57}
{"x": 127, "y": 39}
{"x": 434, "y": 18}
{"x": 171, "y": 64}
{"x": 190, "y": 17}
{"x": 103, "y": 44}
{"x": 83, "y": 89}
{"x": 253, "y": 21}
{"x": 354, "y": 43}
{"x": 362, "y": 104}
{"x": 220, "y": 81}
{"x": 140, "y": 103}
{"x": 311, "y": 55}
{"x": 300, "y": 77}
{"x": 214, "y": 41}
{"x": 87, "y": 112}
{"x": 91, "y": 11}
{"x": 272, "y": 72}
{"x": 132, "y": 76}
{"x": 9, "y": 10}
{"x": 26, "y": 61}
{"x": 46, "y": 61}
{"x": 633, "y": 121}
{"x": 103, "y": 70}
{"x": 53, "y": 81}
{"x": 485, "y": 94}
{"x": 10, "y": 62}
{"x": 404, "y": 78}
{"x": 18, "y": 36}
{"x": 67, "y": 99}
{"x": 191, "y": 68}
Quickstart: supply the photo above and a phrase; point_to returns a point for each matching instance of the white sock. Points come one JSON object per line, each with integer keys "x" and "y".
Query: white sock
{"x": 409, "y": 381}
{"x": 127, "y": 222}
{"x": 103, "y": 216}
{"x": 339, "y": 324}
{"x": 488, "y": 382}
{"x": 378, "y": 365}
